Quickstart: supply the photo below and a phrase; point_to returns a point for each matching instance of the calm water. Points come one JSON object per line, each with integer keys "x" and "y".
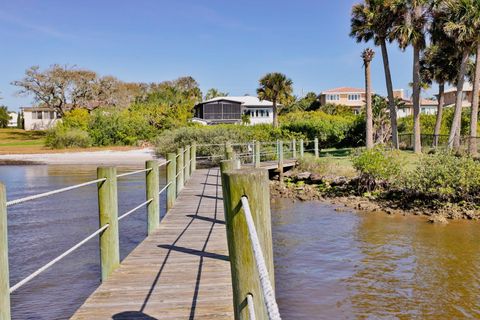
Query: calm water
{"x": 42, "y": 229}
{"x": 345, "y": 265}
{"x": 329, "y": 265}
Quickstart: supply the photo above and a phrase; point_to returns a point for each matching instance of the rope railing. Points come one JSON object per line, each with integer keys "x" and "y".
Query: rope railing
{"x": 49, "y": 193}
{"x": 133, "y": 172}
{"x": 251, "y": 307}
{"x": 134, "y": 209}
{"x": 165, "y": 187}
{"x": 265, "y": 284}
{"x": 60, "y": 257}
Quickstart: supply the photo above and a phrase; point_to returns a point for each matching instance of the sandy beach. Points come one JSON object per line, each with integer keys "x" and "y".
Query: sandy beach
{"x": 107, "y": 157}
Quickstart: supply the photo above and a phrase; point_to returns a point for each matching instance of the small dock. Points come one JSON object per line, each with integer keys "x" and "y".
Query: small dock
{"x": 181, "y": 271}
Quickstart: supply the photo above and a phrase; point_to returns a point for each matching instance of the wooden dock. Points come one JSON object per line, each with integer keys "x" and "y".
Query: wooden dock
{"x": 181, "y": 271}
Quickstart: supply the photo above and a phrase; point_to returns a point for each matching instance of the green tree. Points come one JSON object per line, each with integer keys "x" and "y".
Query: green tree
{"x": 373, "y": 20}
{"x": 213, "y": 93}
{"x": 367, "y": 57}
{"x": 460, "y": 22}
{"x": 409, "y": 29}
{"x": 4, "y": 117}
{"x": 277, "y": 88}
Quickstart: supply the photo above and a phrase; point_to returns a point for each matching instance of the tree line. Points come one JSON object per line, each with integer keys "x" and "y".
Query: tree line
{"x": 445, "y": 38}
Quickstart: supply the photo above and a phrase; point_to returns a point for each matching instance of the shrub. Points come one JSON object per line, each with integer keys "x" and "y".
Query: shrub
{"x": 76, "y": 118}
{"x": 377, "y": 165}
{"x": 118, "y": 127}
{"x": 61, "y": 137}
{"x": 331, "y": 130}
{"x": 444, "y": 176}
{"x": 217, "y": 135}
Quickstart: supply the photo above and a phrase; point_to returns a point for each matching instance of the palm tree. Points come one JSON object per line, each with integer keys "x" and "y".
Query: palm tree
{"x": 439, "y": 63}
{"x": 373, "y": 20}
{"x": 367, "y": 56}
{"x": 460, "y": 18}
{"x": 213, "y": 93}
{"x": 276, "y": 87}
{"x": 410, "y": 29}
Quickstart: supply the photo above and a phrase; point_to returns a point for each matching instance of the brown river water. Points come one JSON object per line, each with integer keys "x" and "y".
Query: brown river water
{"x": 328, "y": 264}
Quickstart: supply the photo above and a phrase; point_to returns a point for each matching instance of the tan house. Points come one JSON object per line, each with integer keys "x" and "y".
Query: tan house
{"x": 39, "y": 118}
{"x": 348, "y": 96}
{"x": 450, "y": 96}
{"x": 427, "y": 106}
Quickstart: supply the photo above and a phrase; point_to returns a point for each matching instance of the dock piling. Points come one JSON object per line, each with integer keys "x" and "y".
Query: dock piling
{"x": 108, "y": 214}
{"x": 171, "y": 172}
{"x": 180, "y": 177}
{"x": 4, "y": 271}
{"x": 152, "y": 188}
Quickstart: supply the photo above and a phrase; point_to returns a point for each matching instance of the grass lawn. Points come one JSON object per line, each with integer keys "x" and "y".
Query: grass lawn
{"x": 18, "y": 141}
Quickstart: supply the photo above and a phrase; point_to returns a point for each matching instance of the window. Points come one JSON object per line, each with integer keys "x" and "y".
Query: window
{"x": 268, "y": 113}
{"x": 354, "y": 97}
{"x": 262, "y": 113}
{"x": 46, "y": 115}
{"x": 37, "y": 115}
{"x": 333, "y": 97}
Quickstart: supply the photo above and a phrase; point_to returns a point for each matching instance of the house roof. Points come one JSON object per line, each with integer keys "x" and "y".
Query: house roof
{"x": 423, "y": 103}
{"x": 246, "y": 101}
{"x": 36, "y": 109}
{"x": 467, "y": 86}
{"x": 344, "y": 90}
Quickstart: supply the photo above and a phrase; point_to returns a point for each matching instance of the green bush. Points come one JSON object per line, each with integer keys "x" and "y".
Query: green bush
{"x": 377, "y": 165}
{"x": 216, "y": 136}
{"x": 61, "y": 137}
{"x": 76, "y": 118}
{"x": 444, "y": 176}
{"x": 118, "y": 127}
{"x": 331, "y": 130}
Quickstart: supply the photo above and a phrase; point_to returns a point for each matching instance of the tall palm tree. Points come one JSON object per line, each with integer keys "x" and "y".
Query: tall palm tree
{"x": 461, "y": 23}
{"x": 367, "y": 56}
{"x": 373, "y": 20}
{"x": 276, "y": 87}
{"x": 440, "y": 64}
{"x": 410, "y": 29}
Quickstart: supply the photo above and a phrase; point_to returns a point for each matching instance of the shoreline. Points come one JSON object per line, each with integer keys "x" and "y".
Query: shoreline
{"x": 310, "y": 192}
{"x": 102, "y": 157}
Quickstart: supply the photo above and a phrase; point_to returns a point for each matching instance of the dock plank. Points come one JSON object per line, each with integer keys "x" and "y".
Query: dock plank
{"x": 181, "y": 271}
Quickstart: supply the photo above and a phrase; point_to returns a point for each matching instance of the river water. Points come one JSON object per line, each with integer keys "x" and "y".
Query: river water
{"x": 328, "y": 264}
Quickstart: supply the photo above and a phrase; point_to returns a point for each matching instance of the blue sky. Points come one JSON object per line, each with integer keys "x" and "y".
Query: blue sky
{"x": 224, "y": 44}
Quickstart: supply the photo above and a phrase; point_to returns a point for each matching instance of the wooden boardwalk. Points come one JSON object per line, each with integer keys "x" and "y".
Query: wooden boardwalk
{"x": 181, "y": 271}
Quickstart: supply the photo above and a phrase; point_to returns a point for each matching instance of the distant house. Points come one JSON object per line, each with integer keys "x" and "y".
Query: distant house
{"x": 12, "y": 123}
{"x": 230, "y": 110}
{"x": 467, "y": 96}
{"x": 347, "y": 96}
{"x": 427, "y": 106}
{"x": 39, "y": 118}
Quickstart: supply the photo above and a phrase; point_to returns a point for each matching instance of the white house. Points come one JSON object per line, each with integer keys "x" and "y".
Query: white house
{"x": 12, "y": 123}
{"x": 39, "y": 118}
{"x": 231, "y": 109}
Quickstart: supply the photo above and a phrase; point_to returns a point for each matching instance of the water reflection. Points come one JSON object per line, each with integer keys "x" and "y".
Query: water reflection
{"x": 332, "y": 265}
{"x": 41, "y": 230}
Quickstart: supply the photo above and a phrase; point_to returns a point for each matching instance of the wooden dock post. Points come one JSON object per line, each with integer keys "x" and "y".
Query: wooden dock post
{"x": 302, "y": 148}
{"x": 187, "y": 164}
{"x": 254, "y": 184}
{"x": 280, "y": 160}
{"x": 294, "y": 149}
{"x": 193, "y": 158}
{"x": 171, "y": 172}
{"x": 108, "y": 214}
{"x": 180, "y": 165}
{"x": 316, "y": 147}
{"x": 228, "y": 151}
{"x": 257, "y": 154}
{"x": 152, "y": 187}
{"x": 4, "y": 273}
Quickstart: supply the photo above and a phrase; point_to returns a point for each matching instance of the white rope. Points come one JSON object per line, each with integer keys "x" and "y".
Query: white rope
{"x": 251, "y": 307}
{"x": 134, "y": 209}
{"x": 164, "y": 163}
{"x": 266, "y": 285}
{"x": 49, "y": 193}
{"x": 165, "y": 188}
{"x": 133, "y": 172}
{"x": 60, "y": 257}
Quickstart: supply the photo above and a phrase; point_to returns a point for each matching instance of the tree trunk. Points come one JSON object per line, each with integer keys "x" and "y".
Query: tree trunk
{"x": 472, "y": 145}
{"x": 275, "y": 115}
{"x": 368, "y": 91}
{"x": 438, "y": 122}
{"x": 391, "y": 99}
{"x": 457, "y": 115}
{"x": 417, "y": 147}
